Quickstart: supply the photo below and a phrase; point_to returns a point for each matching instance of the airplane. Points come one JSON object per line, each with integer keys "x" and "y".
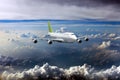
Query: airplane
{"x": 61, "y": 36}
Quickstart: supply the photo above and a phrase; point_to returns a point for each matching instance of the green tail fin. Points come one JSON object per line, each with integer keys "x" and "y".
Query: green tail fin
{"x": 49, "y": 27}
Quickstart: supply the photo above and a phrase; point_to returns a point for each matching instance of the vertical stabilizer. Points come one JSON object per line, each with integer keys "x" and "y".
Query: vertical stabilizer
{"x": 49, "y": 27}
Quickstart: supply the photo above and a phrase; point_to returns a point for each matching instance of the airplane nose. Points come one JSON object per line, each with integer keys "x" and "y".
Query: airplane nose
{"x": 75, "y": 38}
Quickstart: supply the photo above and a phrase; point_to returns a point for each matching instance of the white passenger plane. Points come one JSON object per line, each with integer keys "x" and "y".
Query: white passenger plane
{"x": 63, "y": 37}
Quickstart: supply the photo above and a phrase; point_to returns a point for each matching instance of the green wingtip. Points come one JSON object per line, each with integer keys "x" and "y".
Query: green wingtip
{"x": 49, "y": 27}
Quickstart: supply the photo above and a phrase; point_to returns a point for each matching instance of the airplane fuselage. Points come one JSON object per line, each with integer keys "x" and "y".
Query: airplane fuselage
{"x": 63, "y": 37}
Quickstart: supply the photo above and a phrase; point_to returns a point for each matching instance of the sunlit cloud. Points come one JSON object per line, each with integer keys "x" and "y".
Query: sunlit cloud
{"x": 53, "y": 72}
{"x": 104, "y": 44}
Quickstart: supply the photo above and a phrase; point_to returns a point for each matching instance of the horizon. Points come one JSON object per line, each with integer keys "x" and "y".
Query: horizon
{"x": 85, "y": 21}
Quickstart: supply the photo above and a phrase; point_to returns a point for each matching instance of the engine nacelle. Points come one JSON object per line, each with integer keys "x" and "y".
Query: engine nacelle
{"x": 79, "y": 41}
{"x": 86, "y": 39}
{"x": 49, "y": 42}
{"x": 34, "y": 40}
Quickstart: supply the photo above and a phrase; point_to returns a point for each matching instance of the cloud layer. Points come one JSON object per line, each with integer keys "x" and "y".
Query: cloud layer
{"x": 101, "y": 51}
{"x": 53, "y": 72}
{"x": 64, "y": 9}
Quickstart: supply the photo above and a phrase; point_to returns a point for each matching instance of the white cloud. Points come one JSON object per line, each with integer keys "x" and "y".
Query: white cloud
{"x": 46, "y": 70}
{"x": 28, "y": 35}
{"x": 111, "y": 35}
{"x": 79, "y": 70}
{"x": 108, "y": 36}
{"x": 95, "y": 35}
{"x": 104, "y": 44}
{"x": 55, "y": 72}
{"x": 117, "y": 38}
{"x": 114, "y": 71}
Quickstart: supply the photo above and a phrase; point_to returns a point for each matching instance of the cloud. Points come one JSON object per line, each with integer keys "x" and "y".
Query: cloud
{"x": 88, "y": 3}
{"x": 117, "y": 38}
{"x": 11, "y": 40}
{"x": 27, "y": 35}
{"x": 53, "y": 72}
{"x": 7, "y": 31}
{"x": 79, "y": 70}
{"x": 104, "y": 44}
{"x": 102, "y": 55}
{"x": 111, "y": 35}
{"x": 108, "y": 36}
{"x": 6, "y": 68}
{"x": 38, "y": 9}
{"x": 45, "y": 70}
{"x": 94, "y": 35}
{"x": 113, "y": 72}
{"x": 114, "y": 36}
{"x": 9, "y": 61}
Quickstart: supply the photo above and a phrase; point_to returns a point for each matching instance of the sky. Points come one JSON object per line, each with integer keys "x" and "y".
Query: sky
{"x": 60, "y": 9}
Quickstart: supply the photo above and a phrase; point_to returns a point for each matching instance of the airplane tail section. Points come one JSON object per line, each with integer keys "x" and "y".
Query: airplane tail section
{"x": 49, "y": 27}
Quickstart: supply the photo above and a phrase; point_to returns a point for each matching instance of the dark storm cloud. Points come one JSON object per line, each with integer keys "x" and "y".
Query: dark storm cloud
{"x": 85, "y": 2}
{"x": 113, "y": 2}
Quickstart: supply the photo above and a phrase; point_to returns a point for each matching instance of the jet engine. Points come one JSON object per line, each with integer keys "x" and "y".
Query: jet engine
{"x": 86, "y": 39}
{"x": 49, "y": 42}
{"x": 34, "y": 40}
{"x": 79, "y": 41}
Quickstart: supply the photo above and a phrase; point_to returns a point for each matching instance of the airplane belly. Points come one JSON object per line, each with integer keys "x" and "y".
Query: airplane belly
{"x": 69, "y": 40}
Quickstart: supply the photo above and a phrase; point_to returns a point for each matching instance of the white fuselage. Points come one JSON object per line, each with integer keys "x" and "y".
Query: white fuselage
{"x": 63, "y": 37}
